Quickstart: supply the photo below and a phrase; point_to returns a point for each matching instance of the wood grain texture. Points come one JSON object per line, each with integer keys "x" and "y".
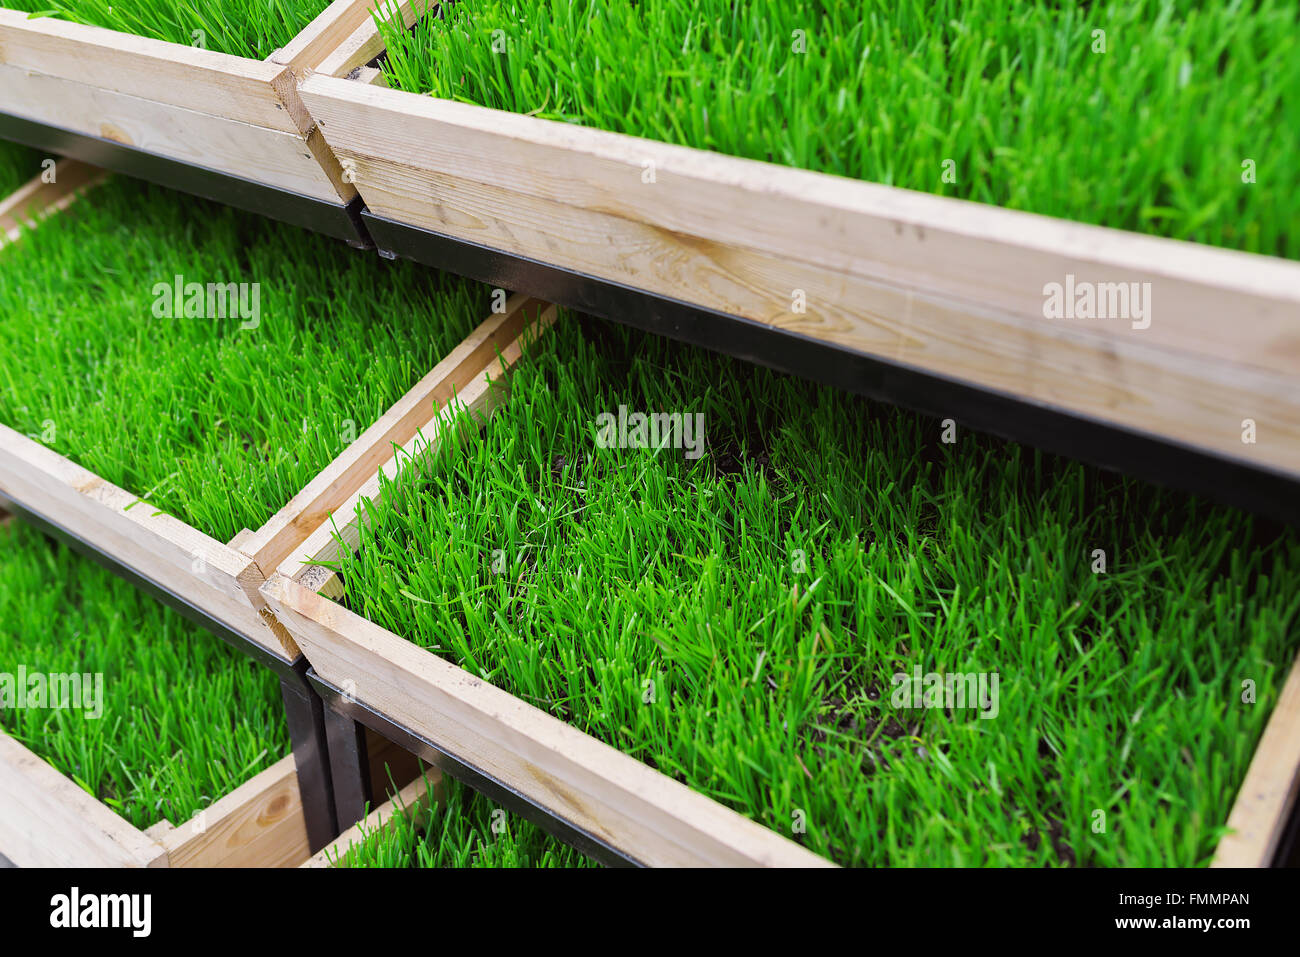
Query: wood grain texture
{"x": 945, "y": 286}
{"x": 195, "y": 79}
{"x": 209, "y": 574}
{"x": 481, "y": 394}
{"x": 332, "y": 30}
{"x": 655, "y": 819}
{"x": 259, "y": 824}
{"x": 48, "y": 821}
{"x": 339, "y": 481}
{"x": 37, "y": 199}
{"x": 365, "y": 42}
{"x": 284, "y": 160}
{"x": 1268, "y": 796}
{"x": 411, "y": 802}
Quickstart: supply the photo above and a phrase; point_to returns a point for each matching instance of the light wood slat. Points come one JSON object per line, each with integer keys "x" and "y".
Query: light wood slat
{"x": 368, "y": 74}
{"x": 968, "y": 251}
{"x": 1267, "y": 798}
{"x": 411, "y": 802}
{"x": 46, "y": 820}
{"x": 37, "y": 199}
{"x": 195, "y": 79}
{"x": 365, "y": 42}
{"x": 1197, "y": 400}
{"x": 627, "y": 804}
{"x": 256, "y": 153}
{"x": 259, "y": 824}
{"x": 338, "y": 481}
{"x": 332, "y": 29}
{"x": 941, "y": 285}
{"x": 210, "y": 575}
{"x": 479, "y": 398}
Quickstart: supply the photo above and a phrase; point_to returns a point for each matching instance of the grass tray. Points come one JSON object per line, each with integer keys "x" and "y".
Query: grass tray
{"x": 445, "y": 826}
{"x": 159, "y": 436}
{"x": 167, "y": 719}
{"x": 1125, "y": 115}
{"x": 240, "y": 28}
{"x": 218, "y": 419}
{"x": 738, "y": 620}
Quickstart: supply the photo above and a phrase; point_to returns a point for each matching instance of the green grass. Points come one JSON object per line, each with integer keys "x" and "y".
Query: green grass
{"x": 248, "y": 28}
{"x": 18, "y": 165}
{"x": 1149, "y": 135}
{"x": 184, "y": 719}
{"x": 1119, "y": 692}
{"x": 463, "y": 830}
{"x": 214, "y": 423}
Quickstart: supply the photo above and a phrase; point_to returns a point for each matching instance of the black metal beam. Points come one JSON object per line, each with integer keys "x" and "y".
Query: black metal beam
{"x": 1258, "y": 489}
{"x": 306, "y": 717}
{"x": 468, "y": 773}
{"x": 1288, "y": 847}
{"x": 339, "y": 220}
{"x": 349, "y": 767}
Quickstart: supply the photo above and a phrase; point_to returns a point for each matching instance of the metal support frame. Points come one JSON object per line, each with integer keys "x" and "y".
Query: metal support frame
{"x": 303, "y": 710}
{"x": 339, "y": 220}
{"x": 1288, "y": 848}
{"x": 306, "y": 718}
{"x": 350, "y": 767}
{"x": 480, "y": 779}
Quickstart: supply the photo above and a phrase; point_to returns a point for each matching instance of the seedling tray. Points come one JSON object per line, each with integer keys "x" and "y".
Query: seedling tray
{"x": 458, "y": 721}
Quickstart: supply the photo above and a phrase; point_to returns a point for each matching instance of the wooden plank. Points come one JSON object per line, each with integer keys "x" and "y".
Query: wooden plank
{"x": 210, "y": 575}
{"x": 339, "y": 481}
{"x": 368, "y": 74}
{"x": 259, "y": 824}
{"x": 263, "y": 155}
{"x": 365, "y": 42}
{"x": 334, "y": 30}
{"x": 1268, "y": 796}
{"x": 48, "y": 821}
{"x": 627, "y": 804}
{"x": 411, "y": 801}
{"x": 37, "y": 199}
{"x": 946, "y": 286}
{"x": 479, "y": 399}
{"x": 189, "y": 77}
